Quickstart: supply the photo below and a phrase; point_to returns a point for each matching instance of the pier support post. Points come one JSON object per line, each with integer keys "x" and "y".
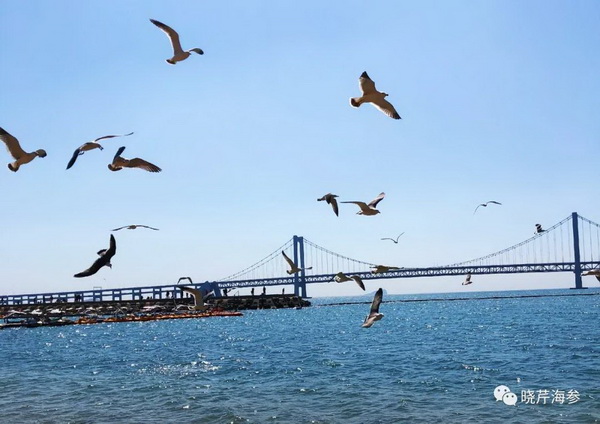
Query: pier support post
{"x": 576, "y": 254}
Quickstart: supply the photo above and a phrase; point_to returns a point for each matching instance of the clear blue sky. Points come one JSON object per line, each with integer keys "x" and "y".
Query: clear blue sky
{"x": 499, "y": 100}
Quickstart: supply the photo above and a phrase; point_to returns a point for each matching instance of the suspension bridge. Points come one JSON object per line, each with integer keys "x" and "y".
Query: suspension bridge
{"x": 572, "y": 245}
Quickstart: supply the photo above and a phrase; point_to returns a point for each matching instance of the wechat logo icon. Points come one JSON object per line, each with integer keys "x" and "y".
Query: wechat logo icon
{"x": 504, "y": 394}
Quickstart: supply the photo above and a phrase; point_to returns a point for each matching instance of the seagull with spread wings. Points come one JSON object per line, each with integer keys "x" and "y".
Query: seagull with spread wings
{"x": 16, "y": 151}
{"x": 119, "y": 163}
{"x": 104, "y": 259}
{"x": 196, "y": 294}
{"x": 330, "y": 199}
{"x": 340, "y": 277}
{"x": 374, "y": 314}
{"x": 90, "y": 145}
{"x": 371, "y": 95}
{"x": 178, "y": 53}
{"x": 594, "y": 272}
{"x": 394, "y": 240}
{"x": 293, "y": 267}
{"x": 371, "y": 207}
{"x": 485, "y": 205}
{"x": 467, "y": 280}
{"x": 379, "y": 269}
{"x": 134, "y": 226}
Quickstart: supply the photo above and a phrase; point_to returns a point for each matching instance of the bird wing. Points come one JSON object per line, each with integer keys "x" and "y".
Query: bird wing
{"x": 288, "y": 260}
{"x": 98, "y": 263}
{"x": 340, "y": 277}
{"x": 376, "y": 302}
{"x": 73, "y": 158}
{"x": 12, "y": 144}
{"x": 366, "y": 84}
{"x": 362, "y": 205}
{"x": 386, "y": 107}
{"x": 120, "y": 228}
{"x": 111, "y": 136}
{"x": 359, "y": 281}
{"x": 494, "y": 202}
{"x": 112, "y": 249}
{"x": 121, "y": 150}
{"x": 151, "y": 228}
{"x": 185, "y": 278}
{"x": 373, "y": 203}
{"x": 334, "y": 205}
{"x": 172, "y": 34}
{"x": 387, "y": 238}
{"x": 141, "y": 163}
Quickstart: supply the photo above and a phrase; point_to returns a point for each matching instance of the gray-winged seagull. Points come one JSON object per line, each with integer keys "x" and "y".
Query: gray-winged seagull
{"x": 134, "y": 226}
{"x": 197, "y": 295}
{"x": 293, "y": 267}
{"x": 103, "y": 260}
{"x": 330, "y": 199}
{"x": 485, "y": 205}
{"x": 90, "y": 145}
{"x": 374, "y": 314}
{"x": 119, "y": 163}
{"x": 178, "y": 53}
{"x": 594, "y": 272}
{"x": 14, "y": 148}
{"x": 371, "y": 95}
{"x": 369, "y": 209}
{"x": 379, "y": 269}
{"x": 340, "y": 277}
{"x": 467, "y": 280}
{"x": 394, "y": 240}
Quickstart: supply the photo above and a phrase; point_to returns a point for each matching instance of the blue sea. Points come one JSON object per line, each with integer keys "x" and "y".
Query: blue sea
{"x": 434, "y": 360}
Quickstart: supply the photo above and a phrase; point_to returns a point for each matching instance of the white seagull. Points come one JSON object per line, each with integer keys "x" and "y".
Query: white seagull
{"x": 14, "y": 148}
{"x": 134, "y": 226}
{"x": 374, "y": 314}
{"x": 293, "y": 267}
{"x": 330, "y": 199}
{"x": 467, "y": 280}
{"x": 394, "y": 240}
{"x": 196, "y": 294}
{"x": 485, "y": 205}
{"x": 369, "y": 209}
{"x": 371, "y": 95}
{"x": 178, "y": 53}
{"x": 119, "y": 163}
{"x": 104, "y": 259}
{"x": 340, "y": 277}
{"x": 90, "y": 145}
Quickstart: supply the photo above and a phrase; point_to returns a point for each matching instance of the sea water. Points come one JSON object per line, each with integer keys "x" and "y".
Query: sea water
{"x": 433, "y": 360}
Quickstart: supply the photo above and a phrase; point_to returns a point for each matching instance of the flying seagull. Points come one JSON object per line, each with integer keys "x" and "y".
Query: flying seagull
{"x": 369, "y": 209}
{"x": 104, "y": 259}
{"x": 90, "y": 145}
{"x": 379, "y": 269}
{"x": 467, "y": 280}
{"x": 538, "y": 229}
{"x": 394, "y": 240}
{"x": 374, "y": 314}
{"x": 14, "y": 148}
{"x": 196, "y": 294}
{"x": 330, "y": 199}
{"x": 133, "y": 227}
{"x": 340, "y": 277}
{"x": 119, "y": 163}
{"x": 293, "y": 267}
{"x": 485, "y": 205}
{"x": 371, "y": 95}
{"x": 178, "y": 53}
{"x": 594, "y": 272}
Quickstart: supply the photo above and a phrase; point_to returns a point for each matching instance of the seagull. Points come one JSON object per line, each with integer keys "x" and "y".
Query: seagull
{"x": 340, "y": 277}
{"x": 594, "y": 272}
{"x": 369, "y": 209}
{"x": 14, "y": 148}
{"x": 394, "y": 240}
{"x": 294, "y": 268}
{"x": 467, "y": 280}
{"x": 178, "y": 53}
{"x": 104, "y": 259}
{"x": 196, "y": 294}
{"x": 133, "y": 227}
{"x": 379, "y": 269}
{"x": 538, "y": 229}
{"x": 371, "y": 95}
{"x": 330, "y": 199}
{"x": 119, "y": 163}
{"x": 374, "y": 314}
{"x": 90, "y": 145}
{"x": 485, "y": 205}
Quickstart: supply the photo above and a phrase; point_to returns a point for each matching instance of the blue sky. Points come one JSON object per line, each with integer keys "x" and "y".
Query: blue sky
{"x": 499, "y": 100}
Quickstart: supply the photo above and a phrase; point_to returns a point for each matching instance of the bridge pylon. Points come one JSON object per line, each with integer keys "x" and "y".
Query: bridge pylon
{"x": 576, "y": 253}
{"x": 300, "y": 277}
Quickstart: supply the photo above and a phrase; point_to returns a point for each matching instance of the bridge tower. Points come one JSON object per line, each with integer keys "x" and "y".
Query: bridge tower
{"x": 576, "y": 254}
{"x": 300, "y": 277}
